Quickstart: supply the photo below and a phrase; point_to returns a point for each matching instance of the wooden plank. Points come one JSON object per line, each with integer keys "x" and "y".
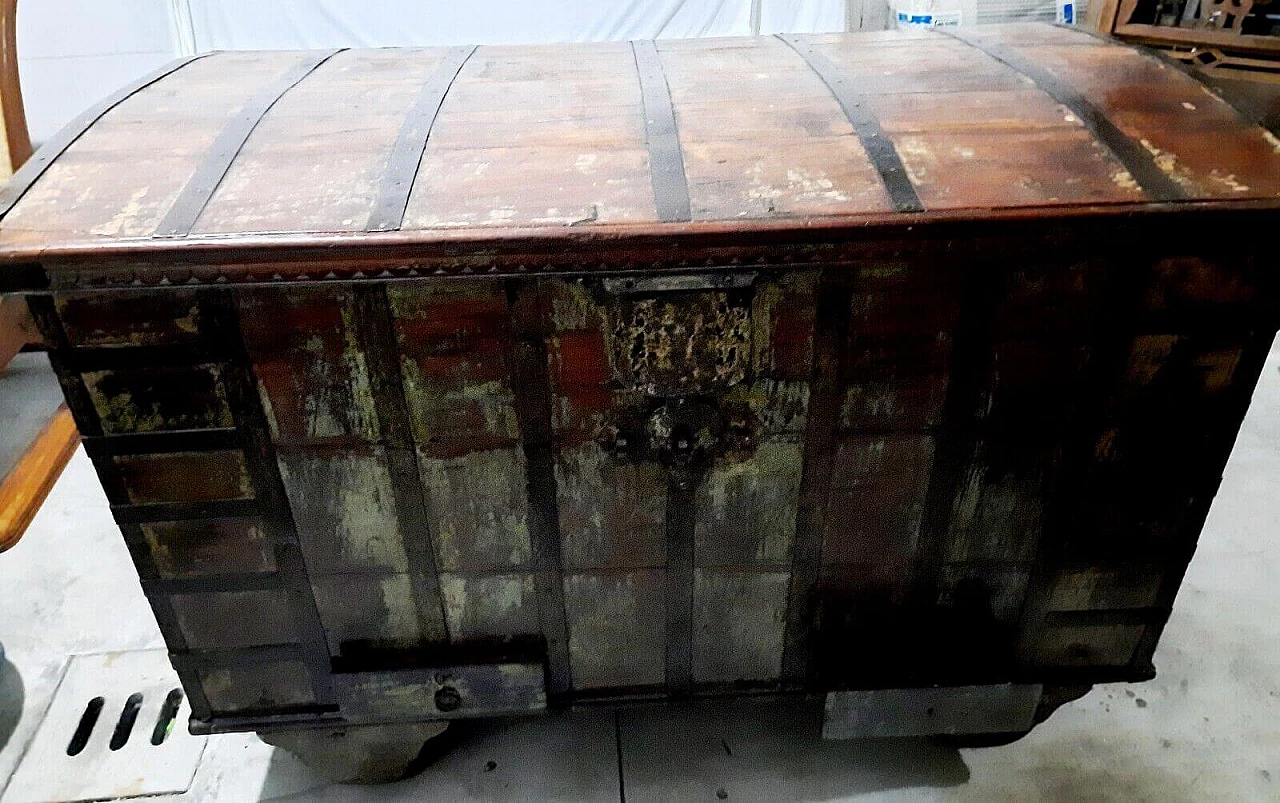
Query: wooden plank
{"x": 25, "y": 487}
{"x": 1137, "y": 161}
{"x": 82, "y": 193}
{"x": 767, "y": 140}
{"x": 534, "y": 176}
{"x": 186, "y": 209}
{"x": 1007, "y": 169}
{"x": 937, "y": 65}
{"x": 34, "y": 167}
{"x": 1194, "y": 136}
{"x": 533, "y": 186}
{"x": 326, "y": 398}
{"x": 879, "y": 148}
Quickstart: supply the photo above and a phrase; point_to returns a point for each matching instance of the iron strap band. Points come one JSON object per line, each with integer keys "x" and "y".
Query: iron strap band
{"x": 678, "y": 591}
{"x": 1132, "y": 156}
{"x": 666, "y": 160}
{"x": 195, "y": 195}
{"x": 40, "y": 161}
{"x": 402, "y": 165}
{"x": 878, "y": 146}
{"x": 526, "y": 352}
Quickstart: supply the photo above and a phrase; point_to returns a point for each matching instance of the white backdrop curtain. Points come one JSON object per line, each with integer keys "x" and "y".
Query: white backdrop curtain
{"x": 201, "y": 25}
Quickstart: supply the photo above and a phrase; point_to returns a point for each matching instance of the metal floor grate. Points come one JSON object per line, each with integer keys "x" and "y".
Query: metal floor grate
{"x": 116, "y": 728}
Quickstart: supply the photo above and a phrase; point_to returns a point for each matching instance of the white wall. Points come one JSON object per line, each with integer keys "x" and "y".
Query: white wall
{"x": 72, "y": 52}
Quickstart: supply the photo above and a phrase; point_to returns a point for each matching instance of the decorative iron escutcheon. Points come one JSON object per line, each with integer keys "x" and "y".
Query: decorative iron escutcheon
{"x": 682, "y": 342}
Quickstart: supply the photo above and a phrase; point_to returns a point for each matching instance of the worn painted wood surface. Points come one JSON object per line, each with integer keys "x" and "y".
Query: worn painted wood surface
{"x": 798, "y": 442}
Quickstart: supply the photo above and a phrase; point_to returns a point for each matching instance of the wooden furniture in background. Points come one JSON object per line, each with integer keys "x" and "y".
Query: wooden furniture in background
{"x": 1231, "y": 38}
{"x": 37, "y": 433}
{"x": 13, "y": 117}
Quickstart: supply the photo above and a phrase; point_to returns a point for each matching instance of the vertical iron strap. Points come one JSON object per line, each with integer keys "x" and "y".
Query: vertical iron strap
{"x": 375, "y": 330}
{"x": 878, "y": 146}
{"x": 220, "y": 310}
{"x": 681, "y": 522}
{"x": 195, "y": 195}
{"x": 40, "y": 161}
{"x": 406, "y": 156}
{"x": 971, "y": 364}
{"x": 1157, "y": 184}
{"x": 833, "y": 301}
{"x": 666, "y": 160}
{"x": 531, "y": 385}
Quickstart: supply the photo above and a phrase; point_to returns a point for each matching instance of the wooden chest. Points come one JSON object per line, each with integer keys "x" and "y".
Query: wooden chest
{"x": 436, "y": 383}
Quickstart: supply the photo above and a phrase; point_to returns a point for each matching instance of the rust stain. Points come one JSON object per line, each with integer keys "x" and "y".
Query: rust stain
{"x": 679, "y": 345}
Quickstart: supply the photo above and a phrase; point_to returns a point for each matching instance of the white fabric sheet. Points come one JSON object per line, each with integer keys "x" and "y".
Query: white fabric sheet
{"x": 252, "y": 24}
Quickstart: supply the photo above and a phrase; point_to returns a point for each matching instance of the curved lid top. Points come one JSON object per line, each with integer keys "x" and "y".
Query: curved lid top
{"x": 427, "y": 145}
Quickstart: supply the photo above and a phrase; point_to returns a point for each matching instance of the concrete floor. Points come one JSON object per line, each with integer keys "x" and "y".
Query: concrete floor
{"x": 1208, "y": 728}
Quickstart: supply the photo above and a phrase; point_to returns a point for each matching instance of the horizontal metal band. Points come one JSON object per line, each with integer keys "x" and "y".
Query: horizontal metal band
{"x": 878, "y": 146}
{"x": 239, "y": 656}
{"x": 108, "y": 358}
{"x": 451, "y": 692}
{"x": 310, "y": 716}
{"x": 183, "y": 440}
{"x": 934, "y": 711}
{"x": 679, "y": 283}
{"x": 40, "y": 161}
{"x": 215, "y": 583}
{"x": 406, "y": 156}
{"x": 666, "y": 159}
{"x": 1141, "y": 165}
{"x": 195, "y": 195}
{"x": 1124, "y": 616}
{"x": 185, "y": 511}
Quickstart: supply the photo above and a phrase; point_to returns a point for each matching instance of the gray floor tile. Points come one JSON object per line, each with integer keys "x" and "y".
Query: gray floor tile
{"x": 766, "y": 750}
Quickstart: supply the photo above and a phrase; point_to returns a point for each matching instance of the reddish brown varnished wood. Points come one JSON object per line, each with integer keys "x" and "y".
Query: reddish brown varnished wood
{"x": 553, "y": 142}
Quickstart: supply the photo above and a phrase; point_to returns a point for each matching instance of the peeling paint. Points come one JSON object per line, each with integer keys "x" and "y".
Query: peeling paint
{"x": 747, "y": 509}
{"x": 1125, "y": 180}
{"x": 612, "y": 512}
{"x": 477, "y": 510}
{"x": 489, "y": 607}
{"x": 345, "y": 512}
{"x": 617, "y": 628}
